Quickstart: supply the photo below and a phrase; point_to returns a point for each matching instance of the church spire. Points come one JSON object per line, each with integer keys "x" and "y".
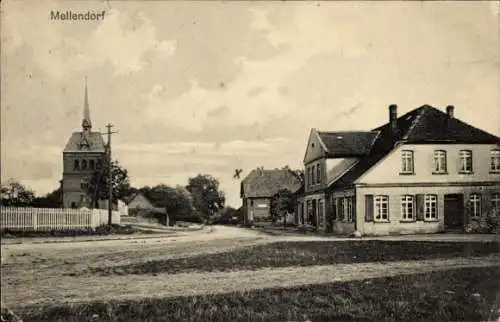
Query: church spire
{"x": 86, "y": 123}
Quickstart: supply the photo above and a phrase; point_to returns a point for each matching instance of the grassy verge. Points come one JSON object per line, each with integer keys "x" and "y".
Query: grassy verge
{"x": 99, "y": 231}
{"x": 283, "y": 254}
{"x": 460, "y": 294}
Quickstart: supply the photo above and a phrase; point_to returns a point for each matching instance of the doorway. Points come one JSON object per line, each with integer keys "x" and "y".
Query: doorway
{"x": 454, "y": 212}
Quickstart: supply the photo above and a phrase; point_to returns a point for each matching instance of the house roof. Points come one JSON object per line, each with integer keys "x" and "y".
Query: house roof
{"x": 141, "y": 196}
{"x": 343, "y": 144}
{"x": 423, "y": 125}
{"x": 94, "y": 139}
{"x": 261, "y": 183}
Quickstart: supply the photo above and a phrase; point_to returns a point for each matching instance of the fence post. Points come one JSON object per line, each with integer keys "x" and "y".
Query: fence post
{"x": 35, "y": 220}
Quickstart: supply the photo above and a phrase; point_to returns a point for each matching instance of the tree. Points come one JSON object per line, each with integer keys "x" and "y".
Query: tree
{"x": 299, "y": 173}
{"x": 13, "y": 193}
{"x": 51, "y": 200}
{"x": 98, "y": 185}
{"x": 206, "y": 195}
{"x": 282, "y": 203}
{"x": 176, "y": 201}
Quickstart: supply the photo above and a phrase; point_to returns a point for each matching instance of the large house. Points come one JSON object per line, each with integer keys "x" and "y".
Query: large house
{"x": 258, "y": 188}
{"x": 423, "y": 172}
{"x": 83, "y": 155}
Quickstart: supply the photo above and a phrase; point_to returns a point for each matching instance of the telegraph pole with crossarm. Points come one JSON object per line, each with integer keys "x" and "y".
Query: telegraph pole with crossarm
{"x": 110, "y": 175}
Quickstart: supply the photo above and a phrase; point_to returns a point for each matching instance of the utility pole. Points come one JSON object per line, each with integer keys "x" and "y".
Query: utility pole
{"x": 110, "y": 175}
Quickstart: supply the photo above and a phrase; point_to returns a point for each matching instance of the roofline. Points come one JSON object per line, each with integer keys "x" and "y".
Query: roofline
{"x": 323, "y": 145}
{"x": 382, "y": 159}
{"x": 343, "y": 173}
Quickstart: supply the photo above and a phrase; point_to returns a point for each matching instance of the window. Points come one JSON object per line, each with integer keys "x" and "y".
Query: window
{"x": 407, "y": 208}
{"x": 407, "y": 161}
{"x": 99, "y": 164}
{"x": 348, "y": 210}
{"x": 381, "y": 205}
{"x": 84, "y": 164}
{"x": 92, "y": 164}
{"x": 466, "y": 161}
{"x": 495, "y": 201}
{"x": 495, "y": 161}
{"x": 335, "y": 212}
{"x": 84, "y": 184}
{"x": 309, "y": 176}
{"x": 475, "y": 205}
{"x": 318, "y": 174}
{"x": 321, "y": 213}
{"x": 313, "y": 175}
{"x": 440, "y": 161}
{"x": 430, "y": 207}
{"x": 76, "y": 165}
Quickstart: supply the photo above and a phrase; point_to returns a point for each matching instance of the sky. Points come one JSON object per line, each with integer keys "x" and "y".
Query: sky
{"x": 207, "y": 87}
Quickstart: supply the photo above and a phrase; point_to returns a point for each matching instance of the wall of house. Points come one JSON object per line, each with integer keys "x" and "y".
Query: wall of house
{"x": 397, "y": 226}
{"x": 312, "y": 184}
{"x": 342, "y": 227}
{"x": 257, "y": 208}
{"x": 388, "y": 170}
{"x": 321, "y": 208}
{"x": 314, "y": 150}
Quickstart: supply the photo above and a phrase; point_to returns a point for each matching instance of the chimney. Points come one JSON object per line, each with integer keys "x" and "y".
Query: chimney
{"x": 393, "y": 116}
{"x": 449, "y": 111}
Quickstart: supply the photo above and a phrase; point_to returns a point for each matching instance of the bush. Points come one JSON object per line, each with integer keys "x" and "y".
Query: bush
{"x": 99, "y": 231}
{"x": 488, "y": 223}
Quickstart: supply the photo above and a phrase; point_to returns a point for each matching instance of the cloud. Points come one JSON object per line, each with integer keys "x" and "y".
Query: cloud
{"x": 57, "y": 49}
{"x": 185, "y": 90}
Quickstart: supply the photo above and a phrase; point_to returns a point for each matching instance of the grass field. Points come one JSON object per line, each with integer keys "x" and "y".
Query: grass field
{"x": 461, "y": 294}
{"x": 231, "y": 277}
{"x": 285, "y": 254}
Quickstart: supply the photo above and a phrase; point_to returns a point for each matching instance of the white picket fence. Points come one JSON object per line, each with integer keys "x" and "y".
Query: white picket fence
{"x": 39, "y": 219}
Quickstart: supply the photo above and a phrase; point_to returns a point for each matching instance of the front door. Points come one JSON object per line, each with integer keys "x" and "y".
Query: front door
{"x": 454, "y": 211}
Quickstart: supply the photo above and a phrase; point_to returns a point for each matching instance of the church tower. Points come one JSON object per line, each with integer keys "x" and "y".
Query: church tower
{"x": 82, "y": 157}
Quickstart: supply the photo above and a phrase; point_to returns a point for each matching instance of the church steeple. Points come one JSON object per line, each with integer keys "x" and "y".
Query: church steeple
{"x": 86, "y": 123}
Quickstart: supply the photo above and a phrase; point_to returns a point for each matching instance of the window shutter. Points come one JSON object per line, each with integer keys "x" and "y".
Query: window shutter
{"x": 467, "y": 209}
{"x": 420, "y": 207}
{"x": 341, "y": 209}
{"x": 353, "y": 201}
{"x": 486, "y": 203}
{"x": 369, "y": 208}
{"x": 334, "y": 208}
